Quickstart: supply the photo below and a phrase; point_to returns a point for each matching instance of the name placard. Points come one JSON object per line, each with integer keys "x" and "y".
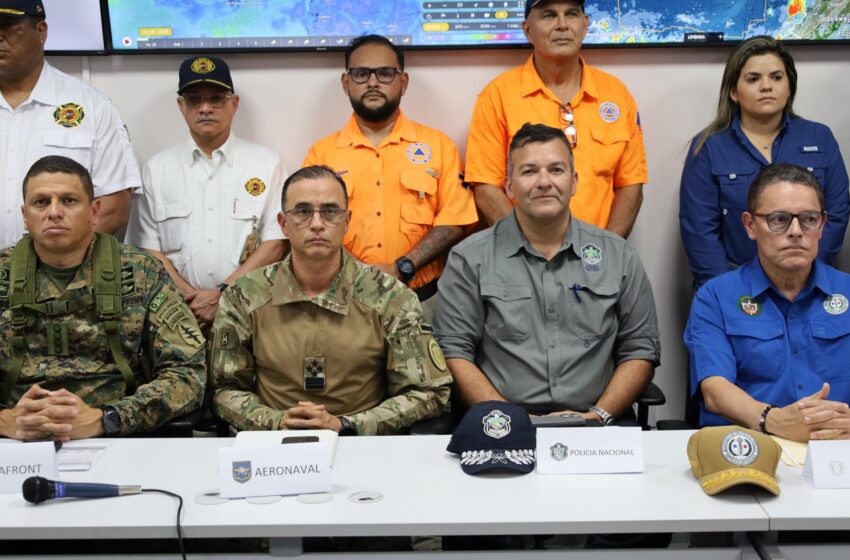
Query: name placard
{"x": 19, "y": 461}
{"x": 828, "y": 464}
{"x": 275, "y": 470}
{"x": 589, "y": 450}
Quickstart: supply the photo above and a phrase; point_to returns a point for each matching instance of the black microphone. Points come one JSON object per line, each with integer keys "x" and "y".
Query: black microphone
{"x": 37, "y": 489}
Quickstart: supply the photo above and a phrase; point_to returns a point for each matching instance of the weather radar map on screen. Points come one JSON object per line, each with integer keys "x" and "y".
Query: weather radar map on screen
{"x": 326, "y": 24}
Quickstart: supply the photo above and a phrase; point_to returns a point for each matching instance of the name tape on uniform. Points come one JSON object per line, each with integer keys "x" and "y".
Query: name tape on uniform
{"x": 589, "y": 450}
{"x": 19, "y": 461}
{"x": 275, "y": 470}
{"x": 828, "y": 464}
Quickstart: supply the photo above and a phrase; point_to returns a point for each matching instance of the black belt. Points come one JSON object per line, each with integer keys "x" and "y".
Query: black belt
{"x": 427, "y": 291}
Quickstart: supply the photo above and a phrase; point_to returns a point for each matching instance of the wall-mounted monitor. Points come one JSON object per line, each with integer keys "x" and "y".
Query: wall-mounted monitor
{"x": 75, "y": 27}
{"x": 226, "y": 25}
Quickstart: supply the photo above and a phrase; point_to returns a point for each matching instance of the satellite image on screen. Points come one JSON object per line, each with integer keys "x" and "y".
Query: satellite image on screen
{"x": 326, "y": 24}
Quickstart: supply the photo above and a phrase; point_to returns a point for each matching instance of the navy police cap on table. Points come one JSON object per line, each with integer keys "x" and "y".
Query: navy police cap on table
{"x": 21, "y": 8}
{"x": 204, "y": 70}
{"x": 495, "y": 435}
{"x": 531, "y": 3}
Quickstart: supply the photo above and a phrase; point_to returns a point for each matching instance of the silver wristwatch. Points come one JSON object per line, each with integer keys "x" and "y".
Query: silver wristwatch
{"x": 607, "y": 419}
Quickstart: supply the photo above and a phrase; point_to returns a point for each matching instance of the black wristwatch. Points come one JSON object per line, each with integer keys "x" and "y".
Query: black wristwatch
{"x": 110, "y": 421}
{"x": 348, "y": 428}
{"x": 406, "y": 269}
{"x": 221, "y": 287}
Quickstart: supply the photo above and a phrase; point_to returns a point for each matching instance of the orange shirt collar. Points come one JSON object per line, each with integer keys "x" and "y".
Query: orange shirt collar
{"x": 351, "y": 135}
{"x": 532, "y": 82}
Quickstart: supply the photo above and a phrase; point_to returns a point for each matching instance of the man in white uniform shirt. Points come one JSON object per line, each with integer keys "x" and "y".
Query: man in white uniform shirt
{"x": 209, "y": 205}
{"x": 46, "y": 112}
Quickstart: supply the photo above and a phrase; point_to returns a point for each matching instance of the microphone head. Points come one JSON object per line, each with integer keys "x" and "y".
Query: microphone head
{"x": 36, "y": 489}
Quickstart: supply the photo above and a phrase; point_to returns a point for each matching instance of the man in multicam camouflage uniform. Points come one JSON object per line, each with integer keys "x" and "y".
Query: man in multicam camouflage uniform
{"x": 320, "y": 340}
{"x": 81, "y": 315}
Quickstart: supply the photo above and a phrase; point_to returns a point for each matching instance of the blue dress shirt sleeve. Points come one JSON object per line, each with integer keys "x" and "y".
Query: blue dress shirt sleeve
{"x": 700, "y": 217}
{"x": 836, "y": 191}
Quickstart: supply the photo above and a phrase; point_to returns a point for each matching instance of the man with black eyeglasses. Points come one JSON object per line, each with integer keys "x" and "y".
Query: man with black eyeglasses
{"x": 320, "y": 340}
{"x": 408, "y": 204}
{"x": 209, "y": 204}
{"x": 769, "y": 342}
{"x": 46, "y": 112}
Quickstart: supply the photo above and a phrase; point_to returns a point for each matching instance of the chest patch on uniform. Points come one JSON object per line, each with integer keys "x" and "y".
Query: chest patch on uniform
{"x": 128, "y": 281}
{"x": 255, "y": 187}
{"x": 836, "y": 304}
{"x": 609, "y": 112}
{"x": 591, "y": 254}
{"x": 437, "y": 355}
{"x": 314, "y": 373}
{"x": 69, "y": 115}
{"x": 419, "y": 153}
{"x": 749, "y": 306}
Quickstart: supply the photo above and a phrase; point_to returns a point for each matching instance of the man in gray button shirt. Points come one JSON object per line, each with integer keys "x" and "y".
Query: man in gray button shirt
{"x": 544, "y": 310}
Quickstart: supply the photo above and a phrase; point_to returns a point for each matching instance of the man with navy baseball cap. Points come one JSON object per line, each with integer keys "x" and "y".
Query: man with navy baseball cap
{"x": 209, "y": 204}
{"x": 46, "y": 112}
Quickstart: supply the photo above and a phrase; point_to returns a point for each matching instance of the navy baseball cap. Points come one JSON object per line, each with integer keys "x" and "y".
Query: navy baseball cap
{"x": 495, "y": 435}
{"x": 531, "y": 3}
{"x": 21, "y": 8}
{"x": 204, "y": 70}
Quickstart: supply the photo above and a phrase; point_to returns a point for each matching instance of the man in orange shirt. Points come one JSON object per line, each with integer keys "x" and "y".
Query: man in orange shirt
{"x": 403, "y": 179}
{"x": 557, "y": 88}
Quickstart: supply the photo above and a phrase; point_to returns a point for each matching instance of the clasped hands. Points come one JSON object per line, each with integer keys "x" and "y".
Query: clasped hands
{"x": 51, "y": 415}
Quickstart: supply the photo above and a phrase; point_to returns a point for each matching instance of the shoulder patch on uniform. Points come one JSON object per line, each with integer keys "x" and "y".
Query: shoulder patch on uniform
{"x": 157, "y": 302}
{"x": 436, "y": 355}
{"x": 190, "y": 334}
{"x": 4, "y": 283}
{"x": 171, "y": 313}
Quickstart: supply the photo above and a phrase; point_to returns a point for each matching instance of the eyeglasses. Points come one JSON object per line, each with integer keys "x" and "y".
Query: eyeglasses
{"x": 779, "y": 222}
{"x": 217, "y": 100}
{"x": 303, "y": 215}
{"x": 361, "y": 75}
{"x": 568, "y": 122}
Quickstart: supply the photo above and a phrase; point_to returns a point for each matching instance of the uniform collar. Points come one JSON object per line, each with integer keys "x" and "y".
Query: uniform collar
{"x": 760, "y": 283}
{"x": 739, "y": 131}
{"x": 79, "y": 281}
{"x": 351, "y": 135}
{"x": 337, "y": 298}
{"x": 226, "y": 150}
{"x": 44, "y": 91}
{"x": 533, "y": 83}
{"x": 514, "y": 240}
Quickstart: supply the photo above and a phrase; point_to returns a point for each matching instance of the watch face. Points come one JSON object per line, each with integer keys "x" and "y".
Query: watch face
{"x": 405, "y": 267}
{"x": 111, "y": 421}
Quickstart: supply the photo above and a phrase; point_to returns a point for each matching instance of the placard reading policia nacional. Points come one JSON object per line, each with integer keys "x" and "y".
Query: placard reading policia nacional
{"x": 196, "y": 25}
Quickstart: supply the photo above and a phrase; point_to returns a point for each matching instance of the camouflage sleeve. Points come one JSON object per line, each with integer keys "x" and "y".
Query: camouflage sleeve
{"x": 418, "y": 381}
{"x": 231, "y": 366}
{"x": 175, "y": 348}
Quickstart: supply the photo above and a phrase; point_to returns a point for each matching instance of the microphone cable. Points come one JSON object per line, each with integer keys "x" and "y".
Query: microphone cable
{"x": 179, "y": 512}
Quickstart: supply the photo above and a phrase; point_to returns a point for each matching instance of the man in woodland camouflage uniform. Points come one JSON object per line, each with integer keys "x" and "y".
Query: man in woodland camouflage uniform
{"x": 94, "y": 338}
{"x": 320, "y": 340}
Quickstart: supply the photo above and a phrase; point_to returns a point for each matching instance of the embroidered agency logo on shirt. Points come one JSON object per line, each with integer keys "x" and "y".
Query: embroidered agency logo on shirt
{"x": 255, "y": 186}
{"x": 749, "y": 306}
{"x": 69, "y": 115}
{"x": 419, "y": 153}
{"x": 836, "y": 304}
{"x": 609, "y": 112}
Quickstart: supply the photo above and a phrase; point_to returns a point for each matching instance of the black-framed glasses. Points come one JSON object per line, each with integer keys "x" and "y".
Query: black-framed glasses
{"x": 568, "y": 123}
{"x": 779, "y": 222}
{"x": 217, "y": 100}
{"x": 384, "y": 74}
{"x": 302, "y": 215}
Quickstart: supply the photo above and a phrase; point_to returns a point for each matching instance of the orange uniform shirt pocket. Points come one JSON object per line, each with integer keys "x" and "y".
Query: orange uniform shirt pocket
{"x": 609, "y": 144}
{"x": 418, "y": 199}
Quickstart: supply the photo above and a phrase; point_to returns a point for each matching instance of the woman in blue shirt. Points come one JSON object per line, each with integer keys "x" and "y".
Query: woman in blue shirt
{"x": 755, "y": 126}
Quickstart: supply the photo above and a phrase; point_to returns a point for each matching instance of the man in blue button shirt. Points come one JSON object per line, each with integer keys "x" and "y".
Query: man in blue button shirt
{"x": 769, "y": 342}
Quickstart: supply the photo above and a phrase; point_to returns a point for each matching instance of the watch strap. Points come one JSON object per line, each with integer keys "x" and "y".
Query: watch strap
{"x": 606, "y": 416}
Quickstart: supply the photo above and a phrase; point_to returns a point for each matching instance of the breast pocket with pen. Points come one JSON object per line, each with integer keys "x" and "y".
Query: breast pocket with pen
{"x": 593, "y": 309}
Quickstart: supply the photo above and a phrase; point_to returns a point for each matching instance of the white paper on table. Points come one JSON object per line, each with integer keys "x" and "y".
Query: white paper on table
{"x": 81, "y": 455}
